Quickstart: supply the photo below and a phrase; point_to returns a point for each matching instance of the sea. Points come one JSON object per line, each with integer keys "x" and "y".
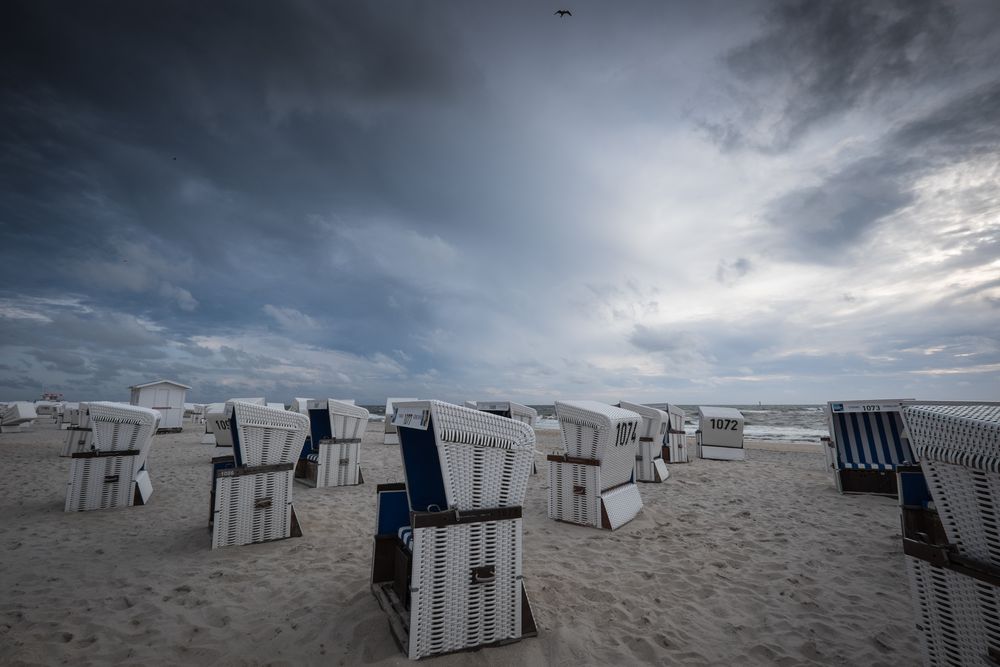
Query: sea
{"x": 781, "y": 423}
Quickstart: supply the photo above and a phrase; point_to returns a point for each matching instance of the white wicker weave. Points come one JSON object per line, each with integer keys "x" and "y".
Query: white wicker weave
{"x": 512, "y": 410}
{"x": 252, "y": 508}
{"x": 347, "y": 422}
{"x": 959, "y": 450}
{"x": 958, "y": 615}
{"x": 100, "y": 483}
{"x": 449, "y": 609}
{"x": 621, "y": 505}
{"x": 79, "y": 437}
{"x": 268, "y": 436}
{"x": 104, "y": 482}
{"x": 17, "y": 413}
{"x": 119, "y": 426}
{"x": 652, "y": 431}
{"x": 675, "y": 440}
{"x": 574, "y": 493}
{"x": 574, "y": 497}
{"x": 593, "y": 430}
{"x": 339, "y": 464}
{"x": 485, "y": 459}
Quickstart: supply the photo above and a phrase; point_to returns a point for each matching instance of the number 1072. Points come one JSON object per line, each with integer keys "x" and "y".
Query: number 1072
{"x": 724, "y": 424}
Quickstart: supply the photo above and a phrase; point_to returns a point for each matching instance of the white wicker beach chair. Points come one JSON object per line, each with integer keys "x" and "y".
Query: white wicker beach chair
{"x": 15, "y": 415}
{"x": 252, "y": 489}
{"x": 675, "y": 447}
{"x": 332, "y": 453}
{"x": 720, "y": 434}
{"x": 593, "y": 483}
{"x": 78, "y": 434}
{"x": 511, "y": 410}
{"x": 867, "y": 443}
{"x": 447, "y": 552}
{"x": 951, "y": 529}
{"x": 391, "y": 437}
{"x": 649, "y": 465}
{"x": 111, "y": 472}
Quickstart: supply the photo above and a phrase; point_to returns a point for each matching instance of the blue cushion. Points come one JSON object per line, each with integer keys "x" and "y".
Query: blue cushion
{"x": 406, "y": 535}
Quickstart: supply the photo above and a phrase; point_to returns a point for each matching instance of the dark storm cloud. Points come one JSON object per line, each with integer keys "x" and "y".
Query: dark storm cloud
{"x": 850, "y": 202}
{"x": 443, "y": 199}
{"x": 816, "y": 60}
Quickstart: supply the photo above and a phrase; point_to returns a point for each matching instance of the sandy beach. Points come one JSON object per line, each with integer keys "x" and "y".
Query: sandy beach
{"x": 759, "y": 562}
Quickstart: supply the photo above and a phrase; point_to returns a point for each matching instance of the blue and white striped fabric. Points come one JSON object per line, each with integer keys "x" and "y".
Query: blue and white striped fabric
{"x": 406, "y": 535}
{"x": 871, "y": 440}
{"x": 312, "y": 457}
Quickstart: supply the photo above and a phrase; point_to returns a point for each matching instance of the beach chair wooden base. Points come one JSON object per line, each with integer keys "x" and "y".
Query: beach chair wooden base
{"x": 716, "y": 453}
{"x": 336, "y": 465}
{"x": 102, "y": 480}
{"x": 472, "y": 559}
{"x": 575, "y": 495}
{"x": 876, "y": 482}
{"x": 956, "y": 599}
{"x": 252, "y": 504}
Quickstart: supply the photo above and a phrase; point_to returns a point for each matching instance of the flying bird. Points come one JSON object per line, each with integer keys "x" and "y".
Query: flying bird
{"x": 563, "y": 12}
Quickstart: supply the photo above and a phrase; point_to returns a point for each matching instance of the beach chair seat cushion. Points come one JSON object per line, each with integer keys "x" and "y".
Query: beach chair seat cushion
{"x": 406, "y": 537}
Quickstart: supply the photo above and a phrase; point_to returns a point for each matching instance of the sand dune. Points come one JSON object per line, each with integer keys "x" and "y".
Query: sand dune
{"x": 760, "y": 562}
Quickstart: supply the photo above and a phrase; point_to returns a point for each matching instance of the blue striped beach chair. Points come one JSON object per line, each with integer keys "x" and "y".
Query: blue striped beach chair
{"x": 867, "y": 444}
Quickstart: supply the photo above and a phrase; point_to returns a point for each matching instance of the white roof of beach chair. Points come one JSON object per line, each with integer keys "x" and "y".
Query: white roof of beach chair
{"x": 713, "y": 412}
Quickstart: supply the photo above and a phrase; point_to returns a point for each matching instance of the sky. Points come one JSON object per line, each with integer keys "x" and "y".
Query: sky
{"x": 712, "y": 202}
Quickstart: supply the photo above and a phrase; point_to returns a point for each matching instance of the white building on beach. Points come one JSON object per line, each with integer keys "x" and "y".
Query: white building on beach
{"x": 165, "y": 396}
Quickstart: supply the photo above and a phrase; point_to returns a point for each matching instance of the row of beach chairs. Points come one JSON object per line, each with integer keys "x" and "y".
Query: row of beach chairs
{"x": 448, "y": 546}
{"x": 942, "y": 460}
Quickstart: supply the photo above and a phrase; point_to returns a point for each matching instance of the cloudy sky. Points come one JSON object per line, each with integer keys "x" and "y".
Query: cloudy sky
{"x": 723, "y": 202}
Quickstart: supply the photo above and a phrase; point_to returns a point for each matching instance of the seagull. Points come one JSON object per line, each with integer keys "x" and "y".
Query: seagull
{"x": 563, "y": 12}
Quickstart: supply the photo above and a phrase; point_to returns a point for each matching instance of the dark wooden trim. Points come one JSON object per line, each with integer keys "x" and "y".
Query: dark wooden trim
{"x": 339, "y": 441}
{"x": 253, "y": 470}
{"x": 945, "y": 555}
{"x": 383, "y": 550}
{"x": 645, "y": 439}
{"x": 562, "y": 458}
{"x": 100, "y": 454}
{"x": 295, "y": 530}
{"x": 528, "y": 627}
{"x": 452, "y": 517}
{"x": 229, "y": 458}
{"x": 390, "y": 486}
{"x": 878, "y": 482}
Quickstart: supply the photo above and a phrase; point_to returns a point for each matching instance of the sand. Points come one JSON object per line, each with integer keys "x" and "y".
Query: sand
{"x": 759, "y": 562}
